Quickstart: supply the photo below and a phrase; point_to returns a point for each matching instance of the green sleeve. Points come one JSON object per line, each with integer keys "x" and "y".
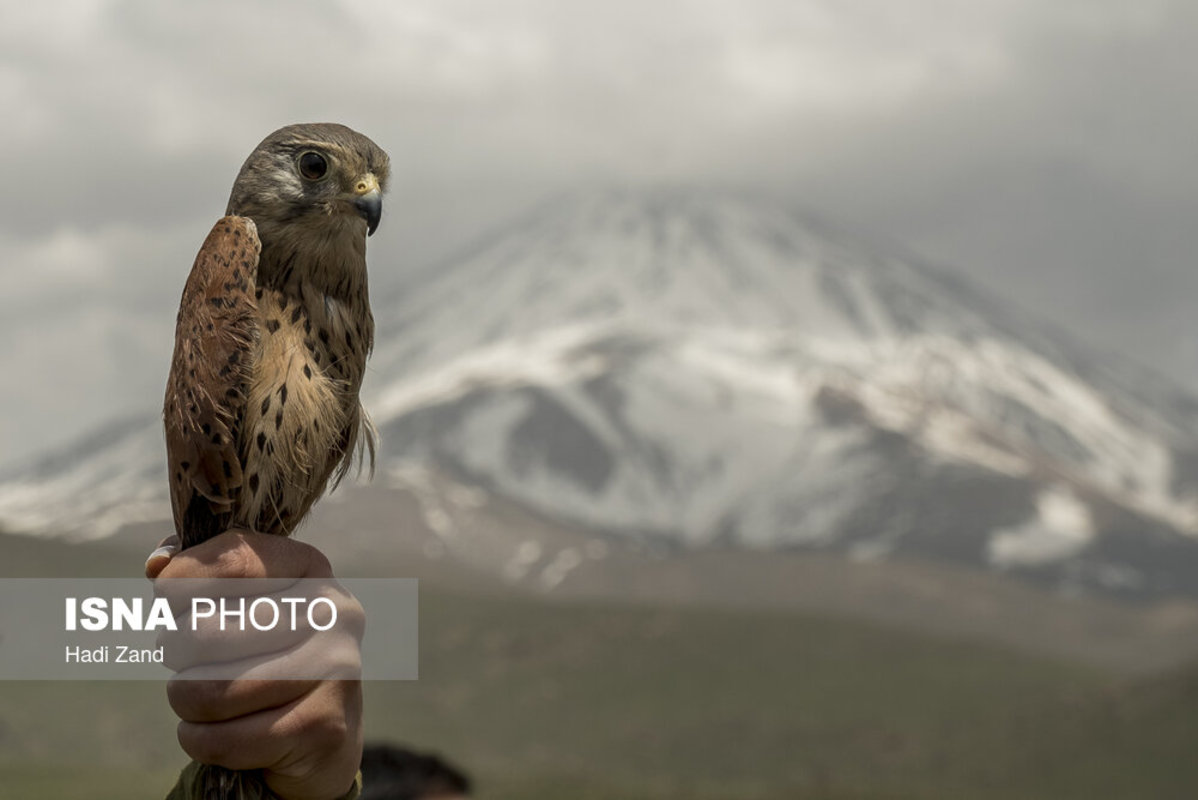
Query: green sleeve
{"x": 187, "y": 787}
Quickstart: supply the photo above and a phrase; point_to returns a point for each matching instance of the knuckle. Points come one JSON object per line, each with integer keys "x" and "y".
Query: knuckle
{"x": 348, "y": 664}
{"x": 352, "y": 614}
{"x": 237, "y": 562}
{"x": 327, "y": 731}
{"x": 340, "y": 660}
{"x": 319, "y": 565}
{"x": 322, "y": 727}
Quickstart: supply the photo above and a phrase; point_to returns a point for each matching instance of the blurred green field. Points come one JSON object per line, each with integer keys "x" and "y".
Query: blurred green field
{"x": 542, "y": 699}
{"x": 547, "y": 701}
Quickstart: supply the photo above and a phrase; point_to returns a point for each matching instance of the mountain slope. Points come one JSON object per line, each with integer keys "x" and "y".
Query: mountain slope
{"x": 710, "y": 369}
{"x": 716, "y": 369}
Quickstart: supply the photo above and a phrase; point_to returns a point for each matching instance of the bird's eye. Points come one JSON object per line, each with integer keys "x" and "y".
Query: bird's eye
{"x": 313, "y": 166}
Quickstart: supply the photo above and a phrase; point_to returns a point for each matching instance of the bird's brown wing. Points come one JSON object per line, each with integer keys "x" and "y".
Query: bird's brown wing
{"x": 205, "y": 393}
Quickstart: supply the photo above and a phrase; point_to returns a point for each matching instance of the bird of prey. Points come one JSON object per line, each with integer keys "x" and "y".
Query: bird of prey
{"x": 274, "y": 328}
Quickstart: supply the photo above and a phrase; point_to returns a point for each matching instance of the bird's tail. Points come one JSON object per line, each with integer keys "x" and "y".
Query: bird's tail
{"x": 218, "y": 783}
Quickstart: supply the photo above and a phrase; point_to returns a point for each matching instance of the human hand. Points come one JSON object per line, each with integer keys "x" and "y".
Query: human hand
{"x": 305, "y": 735}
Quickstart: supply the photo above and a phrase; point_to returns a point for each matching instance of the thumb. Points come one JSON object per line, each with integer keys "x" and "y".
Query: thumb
{"x": 157, "y": 560}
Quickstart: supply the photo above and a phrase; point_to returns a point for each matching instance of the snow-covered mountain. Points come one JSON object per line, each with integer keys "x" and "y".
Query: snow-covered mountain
{"x": 712, "y": 369}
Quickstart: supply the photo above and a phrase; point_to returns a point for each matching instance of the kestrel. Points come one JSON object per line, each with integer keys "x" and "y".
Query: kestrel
{"x": 271, "y": 341}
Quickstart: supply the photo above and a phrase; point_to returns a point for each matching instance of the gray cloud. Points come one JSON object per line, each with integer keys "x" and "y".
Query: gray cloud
{"x": 1044, "y": 149}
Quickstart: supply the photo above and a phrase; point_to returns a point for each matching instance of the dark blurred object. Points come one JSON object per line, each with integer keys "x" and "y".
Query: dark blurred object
{"x": 391, "y": 772}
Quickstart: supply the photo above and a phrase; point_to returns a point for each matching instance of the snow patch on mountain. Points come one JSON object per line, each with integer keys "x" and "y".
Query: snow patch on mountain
{"x": 114, "y": 478}
{"x": 1062, "y": 528}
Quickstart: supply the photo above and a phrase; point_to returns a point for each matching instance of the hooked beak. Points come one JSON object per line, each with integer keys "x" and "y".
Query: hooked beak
{"x": 368, "y": 200}
{"x": 370, "y": 208}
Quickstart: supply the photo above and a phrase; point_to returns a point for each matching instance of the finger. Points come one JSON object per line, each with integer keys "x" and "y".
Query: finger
{"x": 274, "y": 562}
{"x": 313, "y": 722}
{"x": 309, "y": 774}
{"x": 268, "y": 624}
{"x": 225, "y": 650}
{"x": 245, "y": 554}
{"x": 157, "y": 560}
{"x": 251, "y": 742}
{"x": 220, "y": 701}
{"x": 335, "y": 655}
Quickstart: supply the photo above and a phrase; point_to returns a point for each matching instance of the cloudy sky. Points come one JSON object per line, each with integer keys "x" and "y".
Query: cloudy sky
{"x": 1047, "y": 149}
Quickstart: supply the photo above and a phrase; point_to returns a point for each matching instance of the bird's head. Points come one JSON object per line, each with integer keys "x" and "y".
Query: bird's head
{"x": 319, "y": 179}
